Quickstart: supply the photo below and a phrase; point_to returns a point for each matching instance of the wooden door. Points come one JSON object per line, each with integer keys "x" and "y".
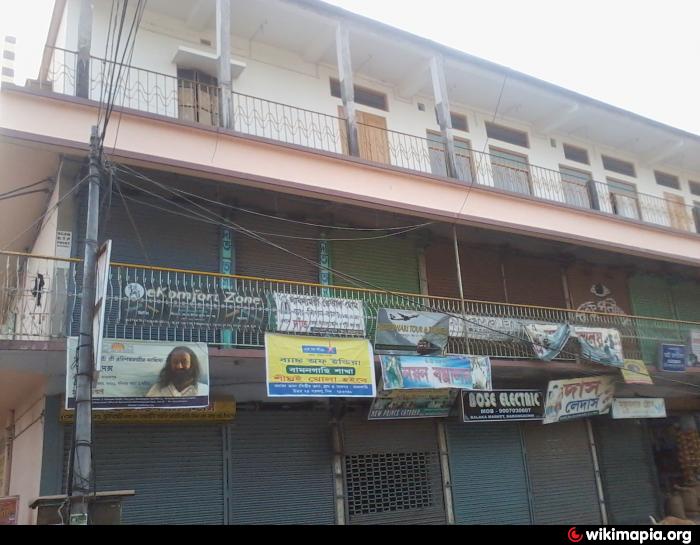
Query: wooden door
{"x": 678, "y": 212}
{"x": 372, "y": 136}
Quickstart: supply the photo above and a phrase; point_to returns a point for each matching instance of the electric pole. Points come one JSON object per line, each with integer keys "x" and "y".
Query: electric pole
{"x": 82, "y": 442}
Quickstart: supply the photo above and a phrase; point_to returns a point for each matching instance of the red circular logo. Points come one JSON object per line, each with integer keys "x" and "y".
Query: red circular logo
{"x": 573, "y": 535}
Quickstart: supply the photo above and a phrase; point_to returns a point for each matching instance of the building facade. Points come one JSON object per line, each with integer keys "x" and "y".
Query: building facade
{"x": 344, "y": 160}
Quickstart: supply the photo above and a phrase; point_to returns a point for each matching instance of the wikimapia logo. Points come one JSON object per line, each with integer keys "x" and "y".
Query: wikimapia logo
{"x": 636, "y": 536}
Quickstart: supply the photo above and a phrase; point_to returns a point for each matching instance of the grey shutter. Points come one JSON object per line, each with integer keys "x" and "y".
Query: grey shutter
{"x": 177, "y": 471}
{"x": 487, "y": 469}
{"x": 627, "y": 470}
{"x": 562, "y": 477}
{"x": 392, "y": 471}
{"x": 281, "y": 468}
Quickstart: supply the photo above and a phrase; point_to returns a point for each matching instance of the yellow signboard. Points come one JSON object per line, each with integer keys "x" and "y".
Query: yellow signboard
{"x": 636, "y": 372}
{"x": 318, "y": 367}
{"x": 217, "y": 411}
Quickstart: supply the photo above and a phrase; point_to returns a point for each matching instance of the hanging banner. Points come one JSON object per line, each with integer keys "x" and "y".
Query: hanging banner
{"x": 412, "y": 404}
{"x": 409, "y": 372}
{"x": 548, "y": 339}
{"x": 401, "y": 330}
{"x": 638, "y": 408}
{"x": 635, "y": 372}
{"x": 486, "y": 328}
{"x": 600, "y": 345}
{"x": 319, "y": 315}
{"x": 502, "y": 405}
{"x": 578, "y": 398}
{"x": 145, "y": 375}
{"x": 693, "y": 347}
{"x": 318, "y": 367}
{"x": 672, "y": 357}
{"x": 9, "y": 508}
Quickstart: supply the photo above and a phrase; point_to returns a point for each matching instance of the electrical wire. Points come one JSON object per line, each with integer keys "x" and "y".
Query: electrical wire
{"x": 29, "y": 186}
{"x": 133, "y": 225}
{"x": 23, "y": 194}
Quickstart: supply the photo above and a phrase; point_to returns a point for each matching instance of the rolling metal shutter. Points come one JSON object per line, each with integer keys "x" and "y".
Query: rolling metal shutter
{"x": 487, "y": 468}
{"x": 627, "y": 470}
{"x": 392, "y": 472}
{"x": 177, "y": 471}
{"x": 561, "y": 473}
{"x": 281, "y": 468}
{"x": 441, "y": 269}
{"x": 534, "y": 281}
{"x": 581, "y": 278}
{"x": 482, "y": 277}
{"x": 686, "y": 301}
{"x": 387, "y": 263}
{"x": 651, "y": 296}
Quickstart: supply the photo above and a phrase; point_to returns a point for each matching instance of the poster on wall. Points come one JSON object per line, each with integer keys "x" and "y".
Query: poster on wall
{"x": 578, "y": 398}
{"x": 548, "y": 339}
{"x": 436, "y": 372}
{"x": 145, "y": 375}
{"x": 316, "y": 315}
{"x": 693, "y": 347}
{"x": 638, "y": 408}
{"x": 400, "y": 331}
{"x": 672, "y": 357}
{"x": 601, "y": 345}
{"x": 9, "y": 508}
{"x": 486, "y": 328}
{"x": 397, "y": 404}
{"x": 298, "y": 366}
{"x": 636, "y": 372}
{"x": 502, "y": 405}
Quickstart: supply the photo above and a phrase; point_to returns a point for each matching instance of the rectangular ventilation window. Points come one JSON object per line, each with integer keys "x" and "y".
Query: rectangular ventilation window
{"x": 389, "y": 482}
{"x": 363, "y": 95}
{"x": 667, "y": 180}
{"x": 694, "y": 188}
{"x": 506, "y": 134}
{"x": 574, "y": 153}
{"x": 459, "y": 122}
{"x": 619, "y": 166}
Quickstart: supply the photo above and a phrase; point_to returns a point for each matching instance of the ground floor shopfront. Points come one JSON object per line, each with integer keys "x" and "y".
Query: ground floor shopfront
{"x": 278, "y": 463}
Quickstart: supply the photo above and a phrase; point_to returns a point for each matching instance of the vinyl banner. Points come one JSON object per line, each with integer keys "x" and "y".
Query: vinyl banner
{"x": 412, "y": 404}
{"x": 638, "y": 408}
{"x": 9, "y": 507}
{"x": 502, "y": 405}
{"x": 401, "y": 330}
{"x": 145, "y": 375}
{"x": 318, "y": 315}
{"x": 299, "y": 366}
{"x": 548, "y": 339}
{"x": 635, "y": 372}
{"x": 601, "y": 345}
{"x": 486, "y": 328}
{"x": 578, "y": 398}
{"x": 434, "y": 372}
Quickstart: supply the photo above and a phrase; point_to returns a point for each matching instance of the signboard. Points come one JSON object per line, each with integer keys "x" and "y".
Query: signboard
{"x": 98, "y": 315}
{"x": 548, "y": 339}
{"x": 9, "y": 508}
{"x": 217, "y": 411}
{"x": 320, "y": 315}
{"x": 145, "y": 375}
{"x": 64, "y": 243}
{"x": 502, "y": 405}
{"x": 401, "y": 330}
{"x": 694, "y": 347}
{"x": 431, "y": 372}
{"x": 578, "y": 398}
{"x": 638, "y": 408}
{"x": 601, "y": 345}
{"x": 635, "y": 372}
{"x": 412, "y": 404}
{"x": 318, "y": 367}
{"x": 486, "y": 328}
{"x": 184, "y": 300}
{"x": 672, "y": 357}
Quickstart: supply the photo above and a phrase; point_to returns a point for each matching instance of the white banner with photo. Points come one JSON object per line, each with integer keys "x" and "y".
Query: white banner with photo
{"x": 578, "y": 398}
{"x": 145, "y": 375}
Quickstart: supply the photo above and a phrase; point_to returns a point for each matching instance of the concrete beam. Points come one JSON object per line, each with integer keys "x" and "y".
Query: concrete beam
{"x": 223, "y": 50}
{"x": 347, "y": 85}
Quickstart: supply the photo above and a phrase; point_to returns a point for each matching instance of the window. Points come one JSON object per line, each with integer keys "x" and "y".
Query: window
{"x": 511, "y": 171}
{"x": 696, "y": 215}
{"x": 363, "y": 95}
{"x": 438, "y": 161}
{"x": 667, "y": 180}
{"x": 574, "y": 153}
{"x": 623, "y": 199}
{"x": 619, "y": 166}
{"x": 198, "y": 97}
{"x": 694, "y": 187}
{"x": 506, "y": 134}
{"x": 575, "y": 185}
{"x": 459, "y": 122}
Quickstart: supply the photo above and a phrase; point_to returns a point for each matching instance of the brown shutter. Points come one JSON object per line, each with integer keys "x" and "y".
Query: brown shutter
{"x": 609, "y": 284}
{"x": 186, "y": 100}
{"x": 441, "y": 269}
{"x": 481, "y": 274}
{"x": 534, "y": 281}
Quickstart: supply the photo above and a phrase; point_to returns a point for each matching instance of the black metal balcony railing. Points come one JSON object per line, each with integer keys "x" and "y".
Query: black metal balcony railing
{"x": 168, "y": 95}
{"x": 40, "y": 300}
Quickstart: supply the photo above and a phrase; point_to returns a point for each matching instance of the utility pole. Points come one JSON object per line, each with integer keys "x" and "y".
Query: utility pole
{"x": 82, "y": 442}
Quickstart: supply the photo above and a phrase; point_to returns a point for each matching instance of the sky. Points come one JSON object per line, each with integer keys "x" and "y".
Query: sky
{"x": 639, "y": 55}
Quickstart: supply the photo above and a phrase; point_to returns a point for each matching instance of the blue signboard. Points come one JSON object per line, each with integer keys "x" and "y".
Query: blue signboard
{"x": 672, "y": 357}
